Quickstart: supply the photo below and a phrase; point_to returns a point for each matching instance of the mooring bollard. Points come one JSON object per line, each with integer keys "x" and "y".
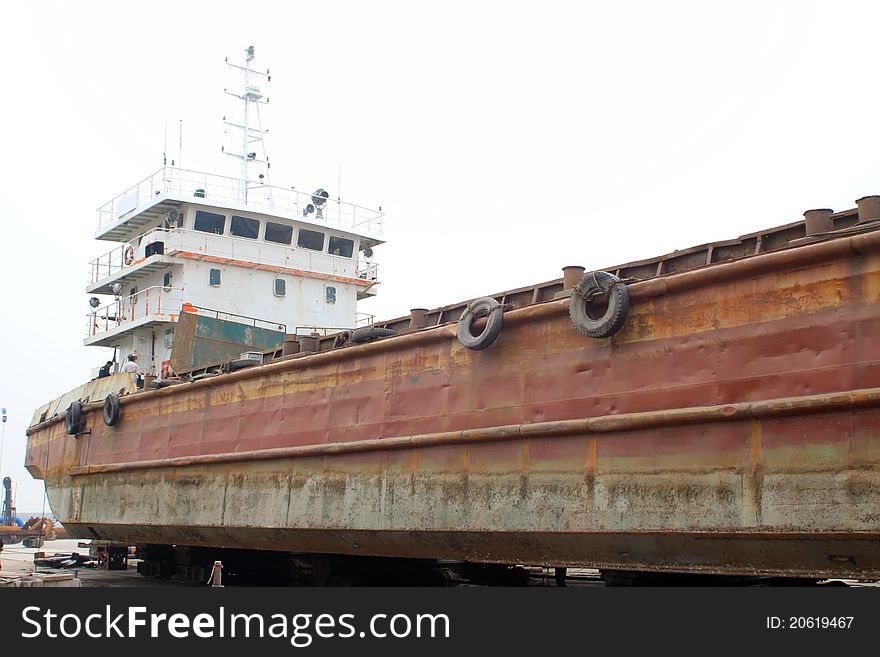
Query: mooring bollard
{"x": 216, "y": 578}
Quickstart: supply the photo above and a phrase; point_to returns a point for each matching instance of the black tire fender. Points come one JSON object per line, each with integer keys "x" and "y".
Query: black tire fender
{"x": 111, "y": 409}
{"x": 480, "y": 308}
{"x": 203, "y": 375}
{"x": 242, "y": 363}
{"x": 73, "y": 418}
{"x": 590, "y": 285}
{"x": 370, "y": 333}
{"x": 342, "y": 339}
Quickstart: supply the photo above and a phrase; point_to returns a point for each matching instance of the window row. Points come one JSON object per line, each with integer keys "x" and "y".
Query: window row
{"x": 279, "y": 286}
{"x": 247, "y": 227}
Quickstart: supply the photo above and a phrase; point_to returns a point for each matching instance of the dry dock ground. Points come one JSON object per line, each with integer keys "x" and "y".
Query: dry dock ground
{"x": 19, "y": 560}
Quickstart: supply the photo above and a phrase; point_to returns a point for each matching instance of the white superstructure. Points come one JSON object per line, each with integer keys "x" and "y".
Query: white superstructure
{"x": 198, "y": 242}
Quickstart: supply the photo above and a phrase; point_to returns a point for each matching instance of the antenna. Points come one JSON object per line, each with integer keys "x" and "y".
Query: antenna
{"x": 252, "y": 97}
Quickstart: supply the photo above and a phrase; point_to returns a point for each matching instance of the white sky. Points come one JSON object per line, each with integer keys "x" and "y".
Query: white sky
{"x": 503, "y": 140}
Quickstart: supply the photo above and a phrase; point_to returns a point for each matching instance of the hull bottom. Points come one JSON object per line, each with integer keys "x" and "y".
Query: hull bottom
{"x": 826, "y": 555}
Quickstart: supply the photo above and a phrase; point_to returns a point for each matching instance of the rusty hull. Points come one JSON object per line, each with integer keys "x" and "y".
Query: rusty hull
{"x": 732, "y": 426}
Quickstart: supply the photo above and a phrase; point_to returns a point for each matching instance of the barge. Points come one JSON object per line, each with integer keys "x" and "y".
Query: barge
{"x": 713, "y": 410}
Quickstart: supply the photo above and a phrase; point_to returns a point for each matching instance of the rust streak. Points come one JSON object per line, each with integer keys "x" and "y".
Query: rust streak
{"x": 756, "y": 447}
{"x": 756, "y": 474}
{"x": 591, "y": 456}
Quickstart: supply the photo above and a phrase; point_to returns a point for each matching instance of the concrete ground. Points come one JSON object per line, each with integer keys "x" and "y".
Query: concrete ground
{"x": 19, "y": 560}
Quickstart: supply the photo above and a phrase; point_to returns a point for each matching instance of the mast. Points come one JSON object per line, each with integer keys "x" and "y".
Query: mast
{"x": 251, "y": 135}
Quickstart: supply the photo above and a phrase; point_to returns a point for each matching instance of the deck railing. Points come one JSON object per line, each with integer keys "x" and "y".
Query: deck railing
{"x": 197, "y": 186}
{"x": 108, "y": 264}
{"x": 155, "y": 300}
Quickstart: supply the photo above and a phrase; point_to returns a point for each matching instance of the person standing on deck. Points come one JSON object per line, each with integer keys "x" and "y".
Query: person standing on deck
{"x": 132, "y": 367}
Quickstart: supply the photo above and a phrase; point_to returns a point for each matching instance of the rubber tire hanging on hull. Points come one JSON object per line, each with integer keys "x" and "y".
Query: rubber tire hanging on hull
{"x": 111, "y": 409}
{"x": 590, "y": 285}
{"x": 73, "y": 418}
{"x": 480, "y": 308}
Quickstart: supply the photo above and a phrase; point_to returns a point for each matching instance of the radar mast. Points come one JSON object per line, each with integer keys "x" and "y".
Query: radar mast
{"x": 252, "y": 136}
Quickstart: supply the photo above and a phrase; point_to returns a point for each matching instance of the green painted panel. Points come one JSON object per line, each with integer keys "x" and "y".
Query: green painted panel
{"x": 214, "y": 341}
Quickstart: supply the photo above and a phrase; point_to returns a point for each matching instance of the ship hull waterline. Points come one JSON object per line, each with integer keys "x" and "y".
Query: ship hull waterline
{"x": 731, "y": 427}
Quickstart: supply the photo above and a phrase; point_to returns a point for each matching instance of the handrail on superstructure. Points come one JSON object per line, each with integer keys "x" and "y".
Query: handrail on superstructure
{"x": 199, "y": 186}
{"x": 128, "y": 309}
{"x": 256, "y": 322}
{"x": 135, "y": 306}
{"x": 113, "y": 261}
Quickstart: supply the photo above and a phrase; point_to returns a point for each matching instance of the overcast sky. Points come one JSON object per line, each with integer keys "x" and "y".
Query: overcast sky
{"x": 503, "y": 140}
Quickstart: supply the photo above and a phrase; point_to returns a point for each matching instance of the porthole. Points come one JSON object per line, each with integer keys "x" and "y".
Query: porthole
{"x": 280, "y": 287}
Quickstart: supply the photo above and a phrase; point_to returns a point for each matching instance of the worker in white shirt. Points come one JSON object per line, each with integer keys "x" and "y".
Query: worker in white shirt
{"x": 132, "y": 366}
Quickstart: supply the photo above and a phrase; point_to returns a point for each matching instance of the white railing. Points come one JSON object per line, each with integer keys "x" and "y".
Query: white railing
{"x": 361, "y": 320}
{"x": 210, "y": 187}
{"x": 108, "y": 264}
{"x": 155, "y": 300}
{"x": 368, "y": 271}
{"x": 175, "y": 240}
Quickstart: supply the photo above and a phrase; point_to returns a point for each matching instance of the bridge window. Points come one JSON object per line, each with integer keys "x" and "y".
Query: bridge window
{"x": 244, "y": 227}
{"x": 280, "y": 287}
{"x": 209, "y": 222}
{"x": 278, "y": 233}
{"x": 310, "y": 239}
{"x": 331, "y": 294}
{"x": 166, "y": 281}
{"x": 214, "y": 278}
{"x": 341, "y": 246}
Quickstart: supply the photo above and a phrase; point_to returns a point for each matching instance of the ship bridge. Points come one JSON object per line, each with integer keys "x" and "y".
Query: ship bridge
{"x": 241, "y": 247}
{"x": 149, "y": 202}
{"x": 190, "y": 239}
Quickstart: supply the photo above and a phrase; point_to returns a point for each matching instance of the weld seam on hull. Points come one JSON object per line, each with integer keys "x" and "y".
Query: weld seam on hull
{"x": 863, "y": 398}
